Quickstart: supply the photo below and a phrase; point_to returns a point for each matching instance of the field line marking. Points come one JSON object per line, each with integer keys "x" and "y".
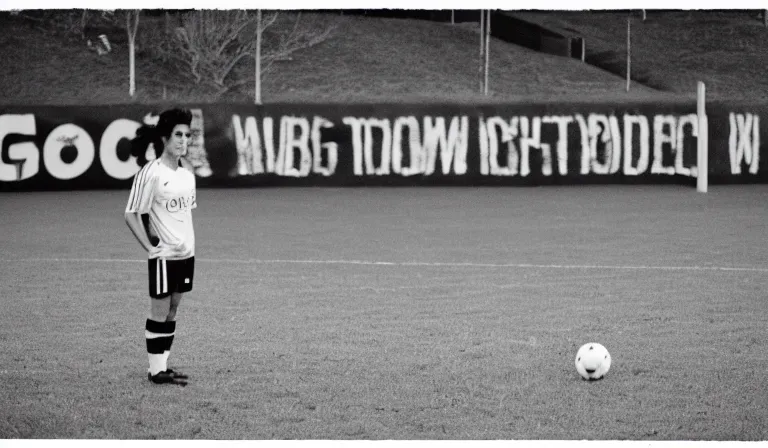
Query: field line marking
{"x": 412, "y": 263}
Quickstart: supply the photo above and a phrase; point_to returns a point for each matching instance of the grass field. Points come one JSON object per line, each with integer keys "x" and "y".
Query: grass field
{"x": 399, "y": 313}
{"x": 395, "y": 313}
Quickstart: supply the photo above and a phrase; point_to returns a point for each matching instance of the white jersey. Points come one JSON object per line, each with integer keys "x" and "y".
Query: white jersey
{"x": 168, "y": 196}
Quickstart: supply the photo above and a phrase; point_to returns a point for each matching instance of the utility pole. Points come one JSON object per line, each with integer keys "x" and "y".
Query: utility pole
{"x": 257, "y": 96}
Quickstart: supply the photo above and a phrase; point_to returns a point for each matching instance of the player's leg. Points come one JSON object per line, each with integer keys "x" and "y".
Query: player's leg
{"x": 157, "y": 334}
{"x": 174, "y": 305}
{"x": 182, "y": 275}
{"x": 170, "y": 321}
{"x": 158, "y": 331}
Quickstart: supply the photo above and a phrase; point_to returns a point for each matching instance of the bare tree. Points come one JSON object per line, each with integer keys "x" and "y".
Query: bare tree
{"x": 210, "y": 44}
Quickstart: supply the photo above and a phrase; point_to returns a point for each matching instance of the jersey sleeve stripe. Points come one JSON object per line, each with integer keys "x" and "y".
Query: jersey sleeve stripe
{"x": 137, "y": 184}
{"x": 139, "y": 190}
{"x": 134, "y": 187}
{"x": 140, "y": 182}
{"x": 145, "y": 178}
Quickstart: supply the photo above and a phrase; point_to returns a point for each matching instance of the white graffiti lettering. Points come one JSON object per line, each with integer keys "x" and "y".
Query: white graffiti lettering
{"x": 295, "y": 142}
{"x": 386, "y": 146}
{"x": 414, "y": 145}
{"x": 507, "y": 131}
{"x": 602, "y": 144}
{"x": 744, "y": 141}
{"x": 531, "y": 138}
{"x": 630, "y": 121}
{"x": 691, "y": 120}
{"x": 586, "y": 152}
{"x": 406, "y": 132}
{"x": 26, "y": 155}
{"x": 603, "y": 131}
{"x": 562, "y": 123}
{"x": 299, "y": 143}
{"x": 451, "y": 147}
{"x": 527, "y": 132}
{"x": 68, "y": 135}
{"x": 113, "y": 166}
{"x": 660, "y": 138}
{"x": 604, "y": 140}
{"x": 331, "y": 149}
{"x": 248, "y": 145}
{"x": 197, "y": 155}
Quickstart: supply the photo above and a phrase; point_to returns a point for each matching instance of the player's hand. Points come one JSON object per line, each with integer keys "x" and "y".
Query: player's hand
{"x": 154, "y": 251}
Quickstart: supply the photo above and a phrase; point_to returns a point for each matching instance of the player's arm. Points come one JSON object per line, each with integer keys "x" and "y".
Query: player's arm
{"x": 139, "y": 203}
{"x": 137, "y": 227}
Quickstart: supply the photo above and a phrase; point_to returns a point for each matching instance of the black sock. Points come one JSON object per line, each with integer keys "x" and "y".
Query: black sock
{"x": 156, "y": 343}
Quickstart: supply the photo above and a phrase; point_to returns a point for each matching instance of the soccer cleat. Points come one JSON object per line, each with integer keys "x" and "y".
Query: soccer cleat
{"x": 166, "y": 377}
{"x": 178, "y": 375}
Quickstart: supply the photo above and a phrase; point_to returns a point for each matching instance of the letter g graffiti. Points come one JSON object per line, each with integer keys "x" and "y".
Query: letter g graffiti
{"x": 24, "y": 157}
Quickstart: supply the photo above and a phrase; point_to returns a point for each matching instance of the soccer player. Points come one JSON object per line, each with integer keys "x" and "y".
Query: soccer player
{"x": 159, "y": 213}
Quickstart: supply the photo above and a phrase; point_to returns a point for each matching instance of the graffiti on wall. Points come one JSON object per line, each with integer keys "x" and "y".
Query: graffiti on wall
{"x": 69, "y": 150}
{"x": 407, "y": 146}
{"x": 627, "y": 144}
{"x": 345, "y": 144}
{"x": 744, "y": 142}
{"x": 299, "y": 150}
{"x": 605, "y": 144}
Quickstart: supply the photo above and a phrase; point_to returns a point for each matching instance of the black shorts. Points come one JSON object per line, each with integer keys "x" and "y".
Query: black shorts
{"x": 169, "y": 276}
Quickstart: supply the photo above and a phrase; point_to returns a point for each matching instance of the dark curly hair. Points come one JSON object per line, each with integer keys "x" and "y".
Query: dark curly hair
{"x": 153, "y": 134}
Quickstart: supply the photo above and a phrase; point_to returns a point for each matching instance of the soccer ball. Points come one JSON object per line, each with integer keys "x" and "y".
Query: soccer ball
{"x": 593, "y": 361}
